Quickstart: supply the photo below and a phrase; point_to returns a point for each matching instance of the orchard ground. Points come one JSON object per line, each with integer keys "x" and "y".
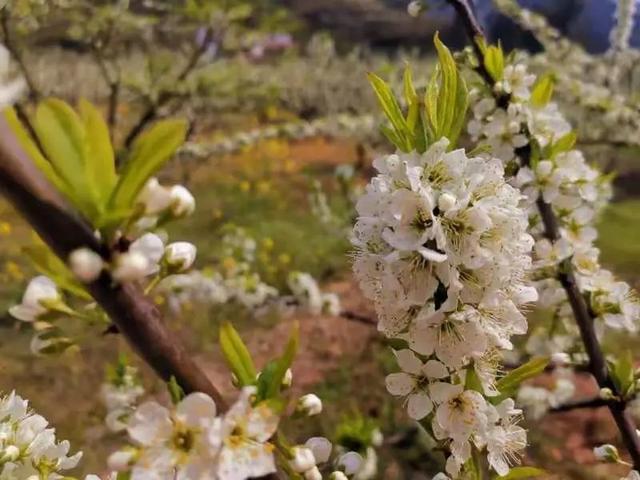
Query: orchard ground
{"x": 265, "y": 190}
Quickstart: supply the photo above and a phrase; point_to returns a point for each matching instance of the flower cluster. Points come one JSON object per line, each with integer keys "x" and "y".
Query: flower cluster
{"x": 443, "y": 251}
{"x": 191, "y": 441}
{"x": 558, "y": 174}
{"x": 119, "y": 394}
{"x": 306, "y": 291}
{"x": 28, "y": 449}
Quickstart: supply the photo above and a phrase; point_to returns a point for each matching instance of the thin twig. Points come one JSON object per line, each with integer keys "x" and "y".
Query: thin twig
{"x": 135, "y": 315}
{"x": 583, "y": 316}
{"x": 593, "y": 402}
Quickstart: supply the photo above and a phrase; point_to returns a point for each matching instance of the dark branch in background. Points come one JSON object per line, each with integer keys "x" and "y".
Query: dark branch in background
{"x": 136, "y": 317}
{"x": 114, "y": 89}
{"x": 595, "y": 402}
{"x": 566, "y": 276}
{"x": 151, "y": 113}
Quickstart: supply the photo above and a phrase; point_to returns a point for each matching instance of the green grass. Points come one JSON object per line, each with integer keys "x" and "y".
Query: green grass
{"x": 619, "y": 238}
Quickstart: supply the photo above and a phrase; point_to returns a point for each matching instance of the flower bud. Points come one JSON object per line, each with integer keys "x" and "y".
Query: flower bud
{"x": 560, "y": 358}
{"x": 85, "y": 264}
{"x": 350, "y": 462}
{"x": 303, "y": 459}
{"x": 309, "y": 405}
{"x": 10, "y": 454}
{"x": 130, "y": 266}
{"x": 377, "y": 438}
{"x": 606, "y": 394}
{"x": 287, "y": 380}
{"x": 180, "y": 256}
{"x": 321, "y": 448}
{"x": 606, "y": 453}
{"x": 313, "y": 474}
{"x": 120, "y": 460}
{"x": 182, "y": 202}
{"x": 338, "y": 475}
{"x": 414, "y": 8}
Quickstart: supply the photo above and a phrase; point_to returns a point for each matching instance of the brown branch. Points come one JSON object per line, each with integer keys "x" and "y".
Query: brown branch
{"x": 595, "y": 402}
{"x": 136, "y": 317}
{"x": 583, "y": 316}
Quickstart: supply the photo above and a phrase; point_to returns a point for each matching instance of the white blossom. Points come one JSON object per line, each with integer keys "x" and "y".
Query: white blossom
{"x": 40, "y": 298}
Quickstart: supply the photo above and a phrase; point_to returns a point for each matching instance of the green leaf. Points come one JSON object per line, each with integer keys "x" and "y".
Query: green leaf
{"x": 392, "y": 111}
{"x": 27, "y": 143}
{"x": 494, "y": 61}
{"x": 101, "y": 167}
{"x": 520, "y": 472}
{"x": 510, "y": 382}
{"x": 271, "y": 377}
{"x": 542, "y": 91}
{"x": 564, "y": 144}
{"x": 149, "y": 153}
{"x": 622, "y": 373}
{"x": 237, "y": 355}
{"x": 63, "y": 138}
{"x": 446, "y": 98}
{"x": 175, "y": 390}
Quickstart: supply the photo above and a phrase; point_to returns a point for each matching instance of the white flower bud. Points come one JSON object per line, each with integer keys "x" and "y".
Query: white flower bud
{"x": 350, "y": 462}
{"x": 180, "y": 256}
{"x": 414, "y": 8}
{"x": 321, "y": 448}
{"x": 120, "y": 460}
{"x": 154, "y": 197}
{"x": 313, "y": 474}
{"x": 606, "y": 453}
{"x": 309, "y": 405}
{"x": 560, "y": 358}
{"x": 182, "y": 202}
{"x": 606, "y": 394}
{"x": 10, "y": 454}
{"x": 446, "y": 202}
{"x": 338, "y": 475}
{"x": 130, "y": 266}
{"x": 85, "y": 264}
{"x": 377, "y": 438}
{"x": 303, "y": 459}
{"x": 287, "y": 380}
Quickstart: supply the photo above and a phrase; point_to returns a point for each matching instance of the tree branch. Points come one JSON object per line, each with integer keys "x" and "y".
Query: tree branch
{"x": 595, "y": 402}
{"x": 136, "y": 317}
{"x": 583, "y": 316}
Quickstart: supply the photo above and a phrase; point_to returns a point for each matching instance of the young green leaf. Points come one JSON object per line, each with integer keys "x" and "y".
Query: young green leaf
{"x": 622, "y": 372}
{"x": 175, "y": 390}
{"x": 101, "y": 167}
{"x": 63, "y": 138}
{"x": 494, "y": 61}
{"x": 564, "y": 144}
{"x": 392, "y": 111}
{"x": 271, "y": 377}
{"x": 237, "y": 355}
{"x": 149, "y": 153}
{"x": 510, "y": 382}
{"x": 520, "y": 473}
{"x": 542, "y": 91}
{"x": 26, "y": 142}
